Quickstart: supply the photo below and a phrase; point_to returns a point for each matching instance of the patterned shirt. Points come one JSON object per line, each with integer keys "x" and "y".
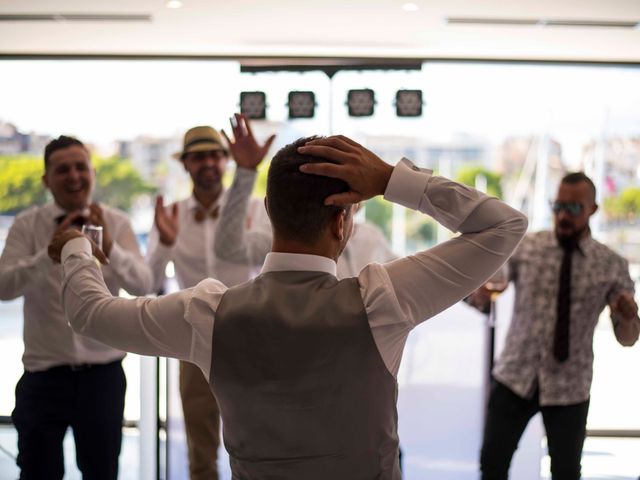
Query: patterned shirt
{"x": 598, "y": 276}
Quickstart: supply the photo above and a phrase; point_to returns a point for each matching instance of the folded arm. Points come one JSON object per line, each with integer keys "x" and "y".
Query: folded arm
{"x": 432, "y": 280}
{"x": 424, "y": 284}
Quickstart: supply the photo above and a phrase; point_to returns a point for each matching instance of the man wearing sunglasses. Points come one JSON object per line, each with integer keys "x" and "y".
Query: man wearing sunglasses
{"x": 564, "y": 279}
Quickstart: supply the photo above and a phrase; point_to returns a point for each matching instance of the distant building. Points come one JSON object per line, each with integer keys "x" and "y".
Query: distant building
{"x": 446, "y": 157}
{"x": 148, "y": 153}
{"x": 13, "y": 142}
{"x": 618, "y": 159}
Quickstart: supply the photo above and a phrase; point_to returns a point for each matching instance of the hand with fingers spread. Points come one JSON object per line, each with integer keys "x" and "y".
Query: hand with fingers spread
{"x": 244, "y": 149}
{"x": 96, "y": 217}
{"x": 60, "y": 240}
{"x": 69, "y": 222}
{"x": 366, "y": 174}
{"x": 166, "y": 223}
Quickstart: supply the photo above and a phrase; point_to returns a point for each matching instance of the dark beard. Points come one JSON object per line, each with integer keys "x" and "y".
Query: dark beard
{"x": 571, "y": 241}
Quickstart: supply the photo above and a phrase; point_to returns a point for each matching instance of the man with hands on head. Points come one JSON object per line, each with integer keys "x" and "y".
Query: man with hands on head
{"x": 184, "y": 233}
{"x": 564, "y": 279}
{"x": 69, "y": 380}
{"x": 304, "y": 365}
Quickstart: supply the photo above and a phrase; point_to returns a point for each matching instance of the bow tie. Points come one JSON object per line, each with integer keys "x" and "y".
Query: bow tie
{"x": 199, "y": 214}
{"x": 78, "y": 222}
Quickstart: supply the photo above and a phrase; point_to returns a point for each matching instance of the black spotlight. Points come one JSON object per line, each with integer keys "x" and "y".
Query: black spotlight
{"x": 302, "y": 104}
{"x": 409, "y": 103}
{"x": 361, "y": 102}
{"x": 253, "y": 105}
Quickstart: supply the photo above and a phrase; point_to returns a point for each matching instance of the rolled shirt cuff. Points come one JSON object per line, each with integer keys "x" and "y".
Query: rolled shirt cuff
{"x": 78, "y": 246}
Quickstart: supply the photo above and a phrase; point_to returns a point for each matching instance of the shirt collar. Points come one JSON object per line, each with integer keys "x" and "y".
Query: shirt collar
{"x": 585, "y": 244}
{"x": 193, "y": 204}
{"x": 54, "y": 210}
{"x": 299, "y": 262}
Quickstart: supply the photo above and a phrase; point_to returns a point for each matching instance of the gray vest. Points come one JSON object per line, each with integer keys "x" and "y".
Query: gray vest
{"x": 303, "y": 391}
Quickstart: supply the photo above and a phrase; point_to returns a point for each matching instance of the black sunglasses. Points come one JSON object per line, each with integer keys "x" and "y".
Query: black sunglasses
{"x": 572, "y": 208}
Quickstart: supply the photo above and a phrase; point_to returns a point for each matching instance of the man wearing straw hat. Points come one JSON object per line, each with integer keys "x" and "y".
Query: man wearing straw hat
{"x": 184, "y": 233}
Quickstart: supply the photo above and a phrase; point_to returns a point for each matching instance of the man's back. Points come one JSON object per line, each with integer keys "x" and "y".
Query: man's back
{"x": 314, "y": 398}
{"x": 396, "y": 297}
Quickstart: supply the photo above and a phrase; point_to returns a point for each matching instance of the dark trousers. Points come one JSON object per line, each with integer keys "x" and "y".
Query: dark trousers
{"x": 507, "y": 418}
{"x": 90, "y": 401}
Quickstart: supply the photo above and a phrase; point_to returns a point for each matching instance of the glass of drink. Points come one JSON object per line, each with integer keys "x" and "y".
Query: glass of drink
{"x": 94, "y": 232}
{"x": 498, "y": 282}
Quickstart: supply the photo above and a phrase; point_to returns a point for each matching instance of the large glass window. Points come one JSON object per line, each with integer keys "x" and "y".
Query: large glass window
{"x": 512, "y": 129}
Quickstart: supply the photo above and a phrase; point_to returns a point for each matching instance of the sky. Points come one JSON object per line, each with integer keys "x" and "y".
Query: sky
{"x": 101, "y": 101}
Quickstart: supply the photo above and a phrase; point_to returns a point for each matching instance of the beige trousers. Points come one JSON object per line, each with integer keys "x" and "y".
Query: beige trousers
{"x": 201, "y": 421}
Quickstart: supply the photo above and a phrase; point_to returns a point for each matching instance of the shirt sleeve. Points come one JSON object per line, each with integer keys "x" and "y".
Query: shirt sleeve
{"x": 19, "y": 264}
{"x": 233, "y": 241}
{"x": 125, "y": 260}
{"x": 622, "y": 282}
{"x": 175, "y": 325}
{"x": 402, "y": 294}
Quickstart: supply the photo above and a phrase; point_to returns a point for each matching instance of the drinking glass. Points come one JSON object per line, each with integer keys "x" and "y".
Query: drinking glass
{"x": 94, "y": 232}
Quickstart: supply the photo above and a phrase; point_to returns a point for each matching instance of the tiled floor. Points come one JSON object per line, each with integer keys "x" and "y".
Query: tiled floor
{"x": 128, "y": 456}
{"x": 604, "y": 458}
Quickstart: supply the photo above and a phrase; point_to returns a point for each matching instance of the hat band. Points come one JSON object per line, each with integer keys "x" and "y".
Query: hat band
{"x": 200, "y": 140}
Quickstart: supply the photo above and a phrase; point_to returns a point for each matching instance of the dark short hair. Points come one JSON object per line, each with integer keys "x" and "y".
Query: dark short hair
{"x": 296, "y": 199}
{"x": 58, "y": 144}
{"x": 578, "y": 177}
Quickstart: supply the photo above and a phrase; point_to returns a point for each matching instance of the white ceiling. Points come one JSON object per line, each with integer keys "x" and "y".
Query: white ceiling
{"x": 327, "y": 28}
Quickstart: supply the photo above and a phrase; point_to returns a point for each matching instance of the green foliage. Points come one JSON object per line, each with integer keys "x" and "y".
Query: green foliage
{"x": 469, "y": 173}
{"x": 626, "y": 206}
{"x": 379, "y": 212}
{"x": 21, "y": 183}
{"x": 260, "y": 189}
{"x": 117, "y": 183}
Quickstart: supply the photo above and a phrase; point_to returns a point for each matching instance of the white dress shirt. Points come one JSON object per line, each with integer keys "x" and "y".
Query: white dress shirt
{"x": 193, "y": 255}
{"x": 26, "y": 270}
{"x": 397, "y": 296}
{"x": 366, "y": 245}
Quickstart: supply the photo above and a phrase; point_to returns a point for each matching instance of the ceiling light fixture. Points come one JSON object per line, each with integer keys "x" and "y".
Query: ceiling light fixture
{"x": 253, "y": 105}
{"x": 301, "y": 104}
{"x": 361, "y": 102}
{"x": 173, "y": 3}
{"x": 409, "y": 103}
{"x": 410, "y": 7}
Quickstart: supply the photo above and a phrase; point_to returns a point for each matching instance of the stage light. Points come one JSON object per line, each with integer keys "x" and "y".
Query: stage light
{"x": 253, "y": 105}
{"x": 301, "y": 104}
{"x": 409, "y": 103}
{"x": 361, "y": 102}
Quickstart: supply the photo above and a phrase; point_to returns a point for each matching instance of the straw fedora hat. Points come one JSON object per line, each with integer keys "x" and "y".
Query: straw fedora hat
{"x": 201, "y": 139}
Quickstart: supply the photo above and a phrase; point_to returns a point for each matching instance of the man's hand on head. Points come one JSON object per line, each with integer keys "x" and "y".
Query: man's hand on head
{"x": 244, "y": 149}
{"x": 366, "y": 174}
{"x": 60, "y": 240}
